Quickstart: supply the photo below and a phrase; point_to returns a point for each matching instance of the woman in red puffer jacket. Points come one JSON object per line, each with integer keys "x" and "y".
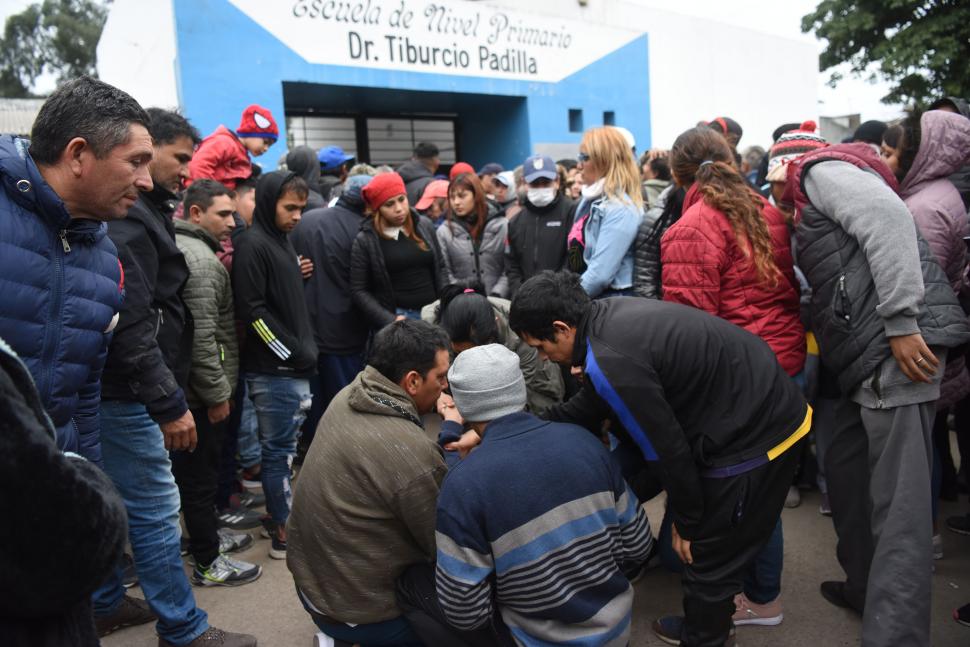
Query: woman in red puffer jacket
{"x": 730, "y": 252}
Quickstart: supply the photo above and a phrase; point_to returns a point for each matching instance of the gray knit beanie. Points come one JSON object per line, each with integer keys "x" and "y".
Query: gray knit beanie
{"x": 486, "y": 383}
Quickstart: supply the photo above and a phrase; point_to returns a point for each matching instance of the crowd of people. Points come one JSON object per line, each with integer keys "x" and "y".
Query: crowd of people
{"x": 183, "y": 334}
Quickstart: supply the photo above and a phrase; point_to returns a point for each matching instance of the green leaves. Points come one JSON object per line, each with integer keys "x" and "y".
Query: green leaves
{"x": 922, "y": 48}
{"x": 56, "y": 36}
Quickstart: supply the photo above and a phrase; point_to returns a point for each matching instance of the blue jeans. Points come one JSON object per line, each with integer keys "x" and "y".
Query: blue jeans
{"x": 136, "y": 460}
{"x": 248, "y": 437}
{"x": 396, "y": 632}
{"x": 762, "y": 580}
{"x": 281, "y": 404}
{"x": 334, "y": 372}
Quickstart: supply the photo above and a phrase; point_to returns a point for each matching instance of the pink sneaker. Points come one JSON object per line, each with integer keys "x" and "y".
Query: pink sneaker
{"x": 748, "y": 613}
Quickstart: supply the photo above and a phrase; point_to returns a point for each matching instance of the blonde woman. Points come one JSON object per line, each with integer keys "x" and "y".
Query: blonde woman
{"x": 600, "y": 244}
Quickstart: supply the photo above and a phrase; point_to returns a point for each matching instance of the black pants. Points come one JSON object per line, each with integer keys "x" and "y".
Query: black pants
{"x": 228, "y": 465}
{"x": 740, "y": 513}
{"x": 197, "y": 476}
{"x": 418, "y": 601}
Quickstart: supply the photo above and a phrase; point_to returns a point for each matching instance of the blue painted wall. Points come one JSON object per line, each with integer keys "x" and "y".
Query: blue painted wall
{"x": 225, "y": 61}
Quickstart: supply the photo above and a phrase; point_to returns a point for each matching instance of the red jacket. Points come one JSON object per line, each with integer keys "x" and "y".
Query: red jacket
{"x": 221, "y": 156}
{"x": 704, "y": 266}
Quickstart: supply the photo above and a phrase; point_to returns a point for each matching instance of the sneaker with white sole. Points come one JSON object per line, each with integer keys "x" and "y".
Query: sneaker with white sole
{"x": 668, "y": 629}
{"x": 238, "y": 518}
{"x": 233, "y": 542}
{"x": 225, "y": 571}
{"x": 747, "y": 612}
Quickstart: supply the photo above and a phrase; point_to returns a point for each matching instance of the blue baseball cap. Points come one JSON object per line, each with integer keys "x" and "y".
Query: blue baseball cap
{"x": 332, "y": 157}
{"x": 539, "y": 166}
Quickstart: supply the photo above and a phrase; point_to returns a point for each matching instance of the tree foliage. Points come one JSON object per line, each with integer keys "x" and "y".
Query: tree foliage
{"x": 56, "y": 36}
{"x": 921, "y": 48}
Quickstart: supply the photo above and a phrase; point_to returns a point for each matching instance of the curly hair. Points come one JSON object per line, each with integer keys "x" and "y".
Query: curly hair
{"x": 701, "y": 155}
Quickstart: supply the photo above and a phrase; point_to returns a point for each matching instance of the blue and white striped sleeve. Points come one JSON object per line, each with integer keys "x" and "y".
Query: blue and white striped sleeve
{"x": 463, "y": 574}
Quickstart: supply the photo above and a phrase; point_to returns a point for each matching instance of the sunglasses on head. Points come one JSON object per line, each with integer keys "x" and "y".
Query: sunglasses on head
{"x": 582, "y": 157}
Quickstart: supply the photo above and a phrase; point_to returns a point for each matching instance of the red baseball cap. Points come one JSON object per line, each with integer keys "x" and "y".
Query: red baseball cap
{"x": 436, "y": 189}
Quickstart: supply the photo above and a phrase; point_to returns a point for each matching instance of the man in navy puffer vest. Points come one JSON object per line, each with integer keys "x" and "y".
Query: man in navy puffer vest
{"x": 62, "y": 284}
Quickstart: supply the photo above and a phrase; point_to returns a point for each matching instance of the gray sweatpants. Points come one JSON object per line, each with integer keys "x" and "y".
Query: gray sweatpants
{"x": 878, "y": 467}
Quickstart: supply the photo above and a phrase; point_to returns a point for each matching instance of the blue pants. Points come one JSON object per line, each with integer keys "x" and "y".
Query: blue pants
{"x": 396, "y": 631}
{"x": 248, "y": 436}
{"x": 281, "y": 404}
{"x": 334, "y": 372}
{"x": 136, "y": 460}
{"x": 762, "y": 579}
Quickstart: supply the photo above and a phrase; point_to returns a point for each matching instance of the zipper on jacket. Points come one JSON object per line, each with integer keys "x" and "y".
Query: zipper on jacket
{"x": 844, "y": 299}
{"x": 53, "y": 319}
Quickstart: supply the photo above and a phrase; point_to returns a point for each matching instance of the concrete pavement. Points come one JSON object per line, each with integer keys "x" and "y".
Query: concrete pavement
{"x": 269, "y": 609}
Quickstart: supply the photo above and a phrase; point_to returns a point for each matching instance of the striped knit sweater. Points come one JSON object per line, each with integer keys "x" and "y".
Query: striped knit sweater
{"x": 539, "y": 522}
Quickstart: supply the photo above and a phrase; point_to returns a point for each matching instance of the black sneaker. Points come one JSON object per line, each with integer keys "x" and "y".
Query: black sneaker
{"x": 239, "y": 518}
{"x": 130, "y": 612}
{"x": 834, "y": 592}
{"x": 960, "y": 525}
{"x": 247, "y": 499}
{"x": 668, "y": 629}
{"x": 130, "y": 576}
{"x": 962, "y": 615}
{"x": 270, "y": 530}
{"x": 225, "y": 571}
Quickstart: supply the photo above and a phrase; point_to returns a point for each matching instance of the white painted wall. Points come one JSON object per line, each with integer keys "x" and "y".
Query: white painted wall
{"x": 137, "y": 51}
{"x": 701, "y": 68}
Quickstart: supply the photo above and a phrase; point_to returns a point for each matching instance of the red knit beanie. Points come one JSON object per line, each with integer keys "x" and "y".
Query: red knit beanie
{"x": 257, "y": 121}
{"x": 459, "y": 168}
{"x": 382, "y": 188}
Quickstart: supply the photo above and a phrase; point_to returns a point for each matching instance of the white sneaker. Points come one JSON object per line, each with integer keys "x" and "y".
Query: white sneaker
{"x": 322, "y": 640}
{"x": 794, "y": 498}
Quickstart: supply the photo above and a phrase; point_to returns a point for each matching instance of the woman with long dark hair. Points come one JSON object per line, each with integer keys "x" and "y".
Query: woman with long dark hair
{"x": 472, "y": 238}
{"x": 730, "y": 255}
{"x": 395, "y": 262}
{"x": 471, "y": 319}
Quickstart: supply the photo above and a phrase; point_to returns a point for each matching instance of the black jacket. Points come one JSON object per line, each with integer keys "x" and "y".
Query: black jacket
{"x": 151, "y": 352}
{"x": 646, "y": 249}
{"x": 537, "y": 239}
{"x": 303, "y": 161}
{"x": 416, "y": 177}
{"x": 73, "y": 524}
{"x": 326, "y": 236}
{"x": 691, "y": 389}
{"x": 370, "y": 284}
{"x": 268, "y": 290}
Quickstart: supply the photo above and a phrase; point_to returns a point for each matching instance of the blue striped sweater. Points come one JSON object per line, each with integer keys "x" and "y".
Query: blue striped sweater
{"x": 538, "y": 521}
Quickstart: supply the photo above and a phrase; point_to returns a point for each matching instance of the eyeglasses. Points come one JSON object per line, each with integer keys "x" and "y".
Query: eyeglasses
{"x": 582, "y": 157}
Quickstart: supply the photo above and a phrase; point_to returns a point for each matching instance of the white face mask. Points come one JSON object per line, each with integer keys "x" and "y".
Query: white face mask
{"x": 542, "y": 197}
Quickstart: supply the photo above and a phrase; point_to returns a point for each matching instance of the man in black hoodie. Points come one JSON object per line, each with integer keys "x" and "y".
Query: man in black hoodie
{"x": 705, "y": 399}
{"x": 280, "y": 354}
{"x": 302, "y": 160}
{"x": 537, "y": 235}
{"x": 326, "y": 236}
{"x": 144, "y": 413}
{"x": 418, "y": 172}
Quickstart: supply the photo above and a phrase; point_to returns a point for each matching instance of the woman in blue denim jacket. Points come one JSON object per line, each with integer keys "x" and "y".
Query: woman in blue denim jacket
{"x": 608, "y": 215}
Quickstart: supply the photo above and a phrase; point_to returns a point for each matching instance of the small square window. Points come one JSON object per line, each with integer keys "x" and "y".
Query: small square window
{"x": 575, "y": 120}
{"x": 609, "y": 118}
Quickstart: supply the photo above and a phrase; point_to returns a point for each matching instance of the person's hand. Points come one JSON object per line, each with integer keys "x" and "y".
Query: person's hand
{"x": 219, "y": 412}
{"x": 306, "y": 267}
{"x": 915, "y": 359}
{"x": 446, "y": 409}
{"x": 468, "y": 441}
{"x": 681, "y": 546}
{"x": 180, "y": 434}
{"x": 400, "y": 318}
{"x": 657, "y": 153}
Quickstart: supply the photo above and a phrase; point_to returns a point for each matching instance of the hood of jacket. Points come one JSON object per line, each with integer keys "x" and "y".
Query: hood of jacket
{"x": 303, "y": 161}
{"x": 24, "y": 184}
{"x": 372, "y": 393}
{"x": 943, "y": 149}
{"x": 413, "y": 170}
{"x": 186, "y": 228}
{"x": 267, "y": 195}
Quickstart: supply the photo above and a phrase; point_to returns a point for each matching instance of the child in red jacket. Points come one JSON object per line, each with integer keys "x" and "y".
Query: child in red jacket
{"x": 224, "y": 155}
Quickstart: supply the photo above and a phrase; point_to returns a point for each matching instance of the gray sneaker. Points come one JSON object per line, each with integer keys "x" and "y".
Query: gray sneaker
{"x": 225, "y": 571}
{"x": 233, "y": 542}
{"x": 213, "y": 637}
